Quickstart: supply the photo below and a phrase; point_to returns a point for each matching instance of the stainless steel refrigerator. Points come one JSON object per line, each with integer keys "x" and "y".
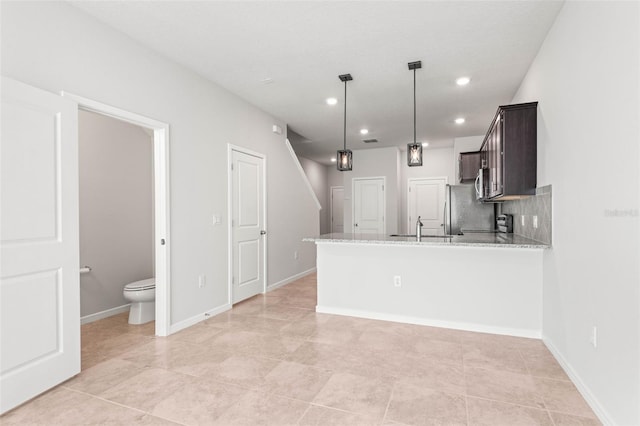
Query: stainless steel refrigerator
{"x": 465, "y": 214}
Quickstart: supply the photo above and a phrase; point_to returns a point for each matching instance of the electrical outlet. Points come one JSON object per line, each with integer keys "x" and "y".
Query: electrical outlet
{"x": 522, "y": 220}
{"x": 535, "y": 221}
{"x": 202, "y": 280}
{"x": 216, "y": 219}
{"x": 397, "y": 281}
{"x": 295, "y": 255}
{"x": 593, "y": 339}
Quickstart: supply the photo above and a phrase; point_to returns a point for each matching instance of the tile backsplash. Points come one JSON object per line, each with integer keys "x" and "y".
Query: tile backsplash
{"x": 538, "y": 205}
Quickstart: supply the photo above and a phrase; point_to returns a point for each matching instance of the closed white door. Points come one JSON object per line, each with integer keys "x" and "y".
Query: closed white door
{"x": 39, "y": 290}
{"x": 426, "y": 198}
{"x": 337, "y": 209}
{"x": 247, "y": 225}
{"x": 368, "y": 206}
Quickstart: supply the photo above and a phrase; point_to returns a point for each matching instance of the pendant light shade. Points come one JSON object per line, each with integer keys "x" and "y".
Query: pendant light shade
{"x": 414, "y": 154}
{"x": 345, "y": 160}
{"x": 345, "y": 156}
{"x": 414, "y": 150}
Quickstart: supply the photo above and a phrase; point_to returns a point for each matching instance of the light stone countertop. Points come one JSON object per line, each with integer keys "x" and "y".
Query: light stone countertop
{"x": 469, "y": 239}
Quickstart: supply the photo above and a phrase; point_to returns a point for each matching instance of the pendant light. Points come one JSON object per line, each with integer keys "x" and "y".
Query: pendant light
{"x": 345, "y": 156}
{"x": 414, "y": 150}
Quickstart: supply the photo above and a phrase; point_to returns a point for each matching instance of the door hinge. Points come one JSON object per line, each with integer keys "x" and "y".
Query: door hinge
{"x": 233, "y": 280}
{"x": 383, "y": 187}
{"x": 409, "y": 189}
{"x": 231, "y": 166}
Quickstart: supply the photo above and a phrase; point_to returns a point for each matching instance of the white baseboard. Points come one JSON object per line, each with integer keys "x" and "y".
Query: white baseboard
{"x": 291, "y": 279}
{"x": 584, "y": 390}
{"x": 104, "y": 314}
{"x": 480, "y": 328}
{"x": 174, "y": 328}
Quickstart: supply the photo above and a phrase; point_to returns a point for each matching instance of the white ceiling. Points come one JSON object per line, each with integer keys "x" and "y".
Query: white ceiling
{"x": 302, "y": 47}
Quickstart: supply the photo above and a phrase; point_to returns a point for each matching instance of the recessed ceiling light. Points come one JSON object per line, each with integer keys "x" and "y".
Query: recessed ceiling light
{"x": 425, "y": 143}
{"x": 333, "y": 160}
{"x": 332, "y": 101}
{"x": 459, "y": 120}
{"x": 463, "y": 81}
{"x": 364, "y": 131}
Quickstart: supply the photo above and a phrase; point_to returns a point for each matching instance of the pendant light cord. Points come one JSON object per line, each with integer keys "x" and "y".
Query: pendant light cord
{"x": 414, "y": 106}
{"x": 345, "y": 116}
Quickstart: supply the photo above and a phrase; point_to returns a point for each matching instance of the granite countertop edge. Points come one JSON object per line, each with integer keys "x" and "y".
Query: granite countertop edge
{"x": 467, "y": 240}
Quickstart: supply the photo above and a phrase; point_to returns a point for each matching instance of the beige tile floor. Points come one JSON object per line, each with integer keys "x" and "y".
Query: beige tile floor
{"x": 273, "y": 360}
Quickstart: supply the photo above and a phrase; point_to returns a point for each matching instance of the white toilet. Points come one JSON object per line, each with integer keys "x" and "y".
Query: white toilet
{"x": 142, "y": 295}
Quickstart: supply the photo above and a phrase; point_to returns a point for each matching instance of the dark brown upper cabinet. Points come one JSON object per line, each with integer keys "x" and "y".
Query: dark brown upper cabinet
{"x": 468, "y": 166}
{"x": 509, "y": 153}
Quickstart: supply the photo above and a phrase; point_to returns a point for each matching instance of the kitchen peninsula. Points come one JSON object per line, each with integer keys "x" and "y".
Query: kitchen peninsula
{"x": 483, "y": 282}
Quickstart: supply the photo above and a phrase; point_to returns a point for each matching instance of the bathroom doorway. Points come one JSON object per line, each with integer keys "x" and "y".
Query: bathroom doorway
{"x": 152, "y": 246}
{"x": 115, "y": 171}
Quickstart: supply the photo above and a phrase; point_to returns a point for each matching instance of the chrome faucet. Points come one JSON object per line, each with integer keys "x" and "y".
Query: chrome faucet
{"x": 419, "y": 229}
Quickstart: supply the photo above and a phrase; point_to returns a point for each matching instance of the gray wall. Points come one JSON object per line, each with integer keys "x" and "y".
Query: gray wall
{"x": 317, "y": 175}
{"x": 41, "y": 46}
{"x": 585, "y": 77}
{"x": 116, "y": 209}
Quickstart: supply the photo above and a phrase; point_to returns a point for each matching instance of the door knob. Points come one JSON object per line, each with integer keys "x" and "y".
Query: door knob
{"x": 263, "y": 232}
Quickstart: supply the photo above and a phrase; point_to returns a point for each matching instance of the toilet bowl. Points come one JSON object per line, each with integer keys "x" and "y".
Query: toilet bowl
{"x": 142, "y": 295}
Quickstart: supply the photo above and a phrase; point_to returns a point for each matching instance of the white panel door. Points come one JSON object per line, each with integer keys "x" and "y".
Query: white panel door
{"x": 39, "y": 284}
{"x": 337, "y": 209}
{"x": 427, "y": 199}
{"x": 247, "y": 225}
{"x": 368, "y": 206}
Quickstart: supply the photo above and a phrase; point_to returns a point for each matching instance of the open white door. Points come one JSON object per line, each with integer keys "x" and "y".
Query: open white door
{"x": 247, "y": 225}
{"x": 426, "y": 199}
{"x": 368, "y": 206}
{"x": 39, "y": 290}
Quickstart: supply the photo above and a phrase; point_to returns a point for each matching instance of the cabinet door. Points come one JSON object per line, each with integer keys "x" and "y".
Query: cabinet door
{"x": 509, "y": 152}
{"x": 499, "y": 149}
{"x": 491, "y": 160}
{"x": 469, "y": 163}
{"x": 495, "y": 158}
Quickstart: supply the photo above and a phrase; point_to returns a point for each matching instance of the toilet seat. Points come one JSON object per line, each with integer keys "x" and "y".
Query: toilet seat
{"x": 141, "y": 285}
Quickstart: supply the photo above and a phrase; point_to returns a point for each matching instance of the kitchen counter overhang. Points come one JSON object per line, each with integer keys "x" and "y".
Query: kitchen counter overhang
{"x": 479, "y": 283}
{"x": 469, "y": 239}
